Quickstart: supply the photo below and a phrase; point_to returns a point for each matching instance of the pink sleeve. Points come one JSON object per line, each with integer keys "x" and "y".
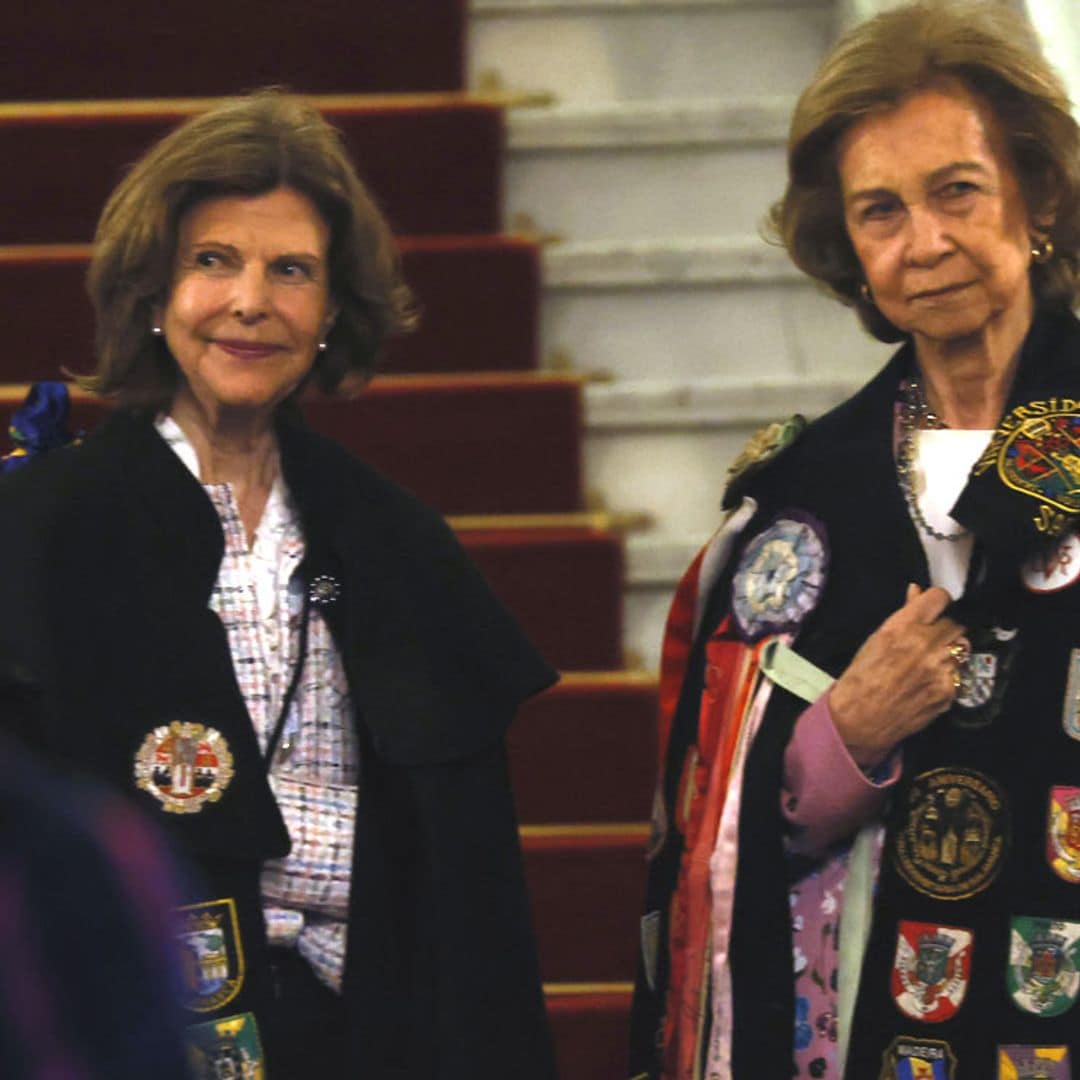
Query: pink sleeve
{"x": 826, "y": 797}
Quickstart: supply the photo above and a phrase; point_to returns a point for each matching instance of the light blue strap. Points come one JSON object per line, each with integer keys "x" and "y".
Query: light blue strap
{"x": 785, "y": 667}
{"x": 855, "y": 919}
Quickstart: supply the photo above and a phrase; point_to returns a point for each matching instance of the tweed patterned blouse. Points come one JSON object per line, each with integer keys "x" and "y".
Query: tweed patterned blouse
{"x": 259, "y": 598}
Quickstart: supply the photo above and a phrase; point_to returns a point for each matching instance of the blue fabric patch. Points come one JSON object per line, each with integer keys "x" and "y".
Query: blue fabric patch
{"x": 39, "y": 425}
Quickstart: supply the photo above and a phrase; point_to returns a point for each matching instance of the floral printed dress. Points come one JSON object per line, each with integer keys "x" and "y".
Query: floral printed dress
{"x": 816, "y": 903}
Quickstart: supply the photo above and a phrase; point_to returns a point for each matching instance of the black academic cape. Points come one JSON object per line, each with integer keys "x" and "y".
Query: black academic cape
{"x": 108, "y": 555}
{"x": 841, "y": 473}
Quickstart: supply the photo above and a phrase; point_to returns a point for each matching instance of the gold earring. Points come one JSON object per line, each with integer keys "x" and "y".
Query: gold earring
{"x": 865, "y": 294}
{"x": 1042, "y": 251}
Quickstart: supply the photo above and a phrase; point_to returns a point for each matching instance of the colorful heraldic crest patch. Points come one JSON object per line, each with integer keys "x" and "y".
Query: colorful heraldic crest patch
{"x": 1036, "y": 451}
{"x": 909, "y": 1058}
{"x": 1063, "y": 833}
{"x": 1053, "y": 566}
{"x": 184, "y": 765}
{"x": 956, "y": 834}
{"x": 985, "y": 676}
{"x": 227, "y": 1049}
{"x": 931, "y": 971}
{"x": 1043, "y": 953}
{"x": 1033, "y": 1063}
{"x": 212, "y": 954}
{"x": 780, "y": 577}
{"x": 1070, "y": 712}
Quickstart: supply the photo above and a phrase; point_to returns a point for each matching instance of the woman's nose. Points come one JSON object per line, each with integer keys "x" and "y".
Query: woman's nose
{"x": 250, "y": 297}
{"x": 928, "y": 239}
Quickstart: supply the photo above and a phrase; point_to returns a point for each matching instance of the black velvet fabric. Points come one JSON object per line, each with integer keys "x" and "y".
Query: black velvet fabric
{"x": 107, "y": 559}
{"x": 842, "y": 472}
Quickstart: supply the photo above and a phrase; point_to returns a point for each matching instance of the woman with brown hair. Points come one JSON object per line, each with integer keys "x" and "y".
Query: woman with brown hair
{"x": 865, "y": 861}
{"x": 277, "y": 653}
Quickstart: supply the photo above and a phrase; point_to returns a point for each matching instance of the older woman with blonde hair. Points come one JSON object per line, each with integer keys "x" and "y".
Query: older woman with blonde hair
{"x": 867, "y": 852}
{"x": 273, "y": 650}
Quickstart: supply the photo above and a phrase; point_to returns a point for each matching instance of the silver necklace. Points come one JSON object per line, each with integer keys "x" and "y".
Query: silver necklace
{"x": 915, "y": 414}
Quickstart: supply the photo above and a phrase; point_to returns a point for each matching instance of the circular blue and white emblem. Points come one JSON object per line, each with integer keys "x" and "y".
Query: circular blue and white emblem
{"x": 779, "y": 578}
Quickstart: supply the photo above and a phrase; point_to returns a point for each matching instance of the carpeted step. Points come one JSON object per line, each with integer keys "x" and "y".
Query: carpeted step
{"x": 466, "y": 444}
{"x": 563, "y": 584}
{"x": 587, "y": 886}
{"x": 479, "y": 305}
{"x": 585, "y": 750}
{"x": 469, "y": 444}
{"x": 591, "y": 1026}
{"x": 57, "y": 49}
{"x": 477, "y": 296}
{"x": 434, "y": 164}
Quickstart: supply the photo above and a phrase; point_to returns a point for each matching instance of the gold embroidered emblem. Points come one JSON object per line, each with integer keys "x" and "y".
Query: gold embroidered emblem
{"x": 184, "y": 765}
{"x": 956, "y": 834}
{"x": 765, "y": 444}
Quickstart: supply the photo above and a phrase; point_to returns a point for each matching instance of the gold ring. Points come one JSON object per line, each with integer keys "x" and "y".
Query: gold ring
{"x": 959, "y": 653}
{"x": 957, "y": 680}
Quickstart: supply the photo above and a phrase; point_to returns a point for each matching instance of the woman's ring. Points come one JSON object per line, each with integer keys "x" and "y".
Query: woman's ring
{"x": 959, "y": 654}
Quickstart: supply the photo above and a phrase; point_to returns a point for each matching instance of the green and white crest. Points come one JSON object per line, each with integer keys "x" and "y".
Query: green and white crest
{"x": 1044, "y": 964}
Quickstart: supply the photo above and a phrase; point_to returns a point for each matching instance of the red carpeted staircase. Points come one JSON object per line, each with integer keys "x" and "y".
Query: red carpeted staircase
{"x": 462, "y": 416}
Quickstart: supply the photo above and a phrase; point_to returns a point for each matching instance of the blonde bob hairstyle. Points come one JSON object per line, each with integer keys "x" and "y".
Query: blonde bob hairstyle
{"x": 245, "y": 146}
{"x": 994, "y": 53}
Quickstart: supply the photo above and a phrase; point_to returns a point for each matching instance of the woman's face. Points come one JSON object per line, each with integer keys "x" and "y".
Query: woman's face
{"x": 935, "y": 213}
{"x": 249, "y": 301}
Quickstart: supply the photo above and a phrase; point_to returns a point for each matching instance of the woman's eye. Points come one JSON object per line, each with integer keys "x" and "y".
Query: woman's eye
{"x": 957, "y": 189}
{"x": 295, "y": 270}
{"x": 879, "y": 211}
{"x": 208, "y": 260}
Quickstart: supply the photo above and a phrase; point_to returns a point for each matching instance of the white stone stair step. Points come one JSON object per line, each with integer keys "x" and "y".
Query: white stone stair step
{"x": 622, "y": 194}
{"x": 664, "y": 446}
{"x": 697, "y": 309}
{"x": 720, "y": 403}
{"x": 621, "y": 125}
{"x": 664, "y": 260}
{"x": 659, "y": 560}
{"x": 525, "y": 7}
{"x": 651, "y": 169}
{"x": 654, "y": 565}
{"x": 631, "y": 51}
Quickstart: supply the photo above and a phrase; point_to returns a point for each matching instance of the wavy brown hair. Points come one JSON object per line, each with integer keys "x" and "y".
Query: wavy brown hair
{"x": 995, "y": 54}
{"x": 245, "y": 146}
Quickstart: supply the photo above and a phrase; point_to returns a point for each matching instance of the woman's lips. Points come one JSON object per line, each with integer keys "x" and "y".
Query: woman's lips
{"x": 246, "y": 350}
{"x": 942, "y": 292}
